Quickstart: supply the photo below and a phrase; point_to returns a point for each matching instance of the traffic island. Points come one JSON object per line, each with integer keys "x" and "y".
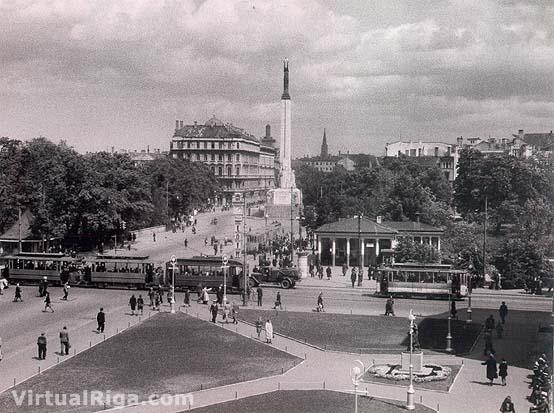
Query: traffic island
{"x": 310, "y": 401}
{"x": 166, "y": 354}
{"x": 430, "y": 377}
{"x": 366, "y": 334}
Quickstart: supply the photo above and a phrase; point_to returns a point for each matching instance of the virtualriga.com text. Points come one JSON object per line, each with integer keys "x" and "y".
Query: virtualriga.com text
{"x": 97, "y": 398}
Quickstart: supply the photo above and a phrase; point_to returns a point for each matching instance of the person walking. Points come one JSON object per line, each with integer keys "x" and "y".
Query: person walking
{"x": 353, "y": 276}
{"x": 133, "y": 304}
{"x": 278, "y": 301}
{"x": 491, "y": 368}
{"x": 260, "y": 294}
{"x": 205, "y": 296}
{"x": 503, "y": 371}
{"x": 320, "y": 307}
{"x": 344, "y": 269}
{"x": 235, "y": 312}
{"x": 507, "y": 406}
{"x": 41, "y": 344}
{"x": 186, "y": 243}
{"x": 214, "y": 309}
{"x": 140, "y": 304}
{"x": 259, "y": 326}
{"x": 268, "y": 331}
{"x": 151, "y": 296}
{"x": 157, "y": 302}
{"x": 48, "y": 303}
{"x": 453, "y": 310}
{"x": 101, "y": 320}
{"x": 17, "y": 296}
{"x": 187, "y": 298}
{"x": 389, "y": 306}
{"x": 329, "y": 272}
{"x": 65, "y": 291}
{"x": 226, "y": 311}
{"x": 64, "y": 341}
{"x": 503, "y": 311}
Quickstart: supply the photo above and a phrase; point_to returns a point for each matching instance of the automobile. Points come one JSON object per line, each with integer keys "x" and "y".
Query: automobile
{"x": 285, "y": 277}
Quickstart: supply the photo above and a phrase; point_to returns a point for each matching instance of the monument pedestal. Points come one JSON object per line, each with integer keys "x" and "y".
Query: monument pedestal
{"x": 279, "y": 201}
{"x": 417, "y": 362}
{"x": 303, "y": 267}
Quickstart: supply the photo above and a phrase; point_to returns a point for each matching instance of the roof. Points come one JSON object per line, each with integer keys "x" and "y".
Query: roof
{"x": 539, "y": 140}
{"x": 350, "y": 225}
{"x": 13, "y": 232}
{"x": 214, "y": 128}
{"x": 411, "y": 226}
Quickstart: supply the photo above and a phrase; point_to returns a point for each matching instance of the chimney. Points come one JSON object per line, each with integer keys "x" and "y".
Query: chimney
{"x": 520, "y": 133}
{"x": 181, "y": 124}
{"x": 176, "y": 125}
{"x": 268, "y": 131}
{"x": 379, "y": 219}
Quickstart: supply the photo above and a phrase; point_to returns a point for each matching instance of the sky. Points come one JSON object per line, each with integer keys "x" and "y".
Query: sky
{"x": 119, "y": 73}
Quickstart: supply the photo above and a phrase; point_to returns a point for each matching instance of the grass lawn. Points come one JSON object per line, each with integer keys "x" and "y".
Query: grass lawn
{"x": 164, "y": 354}
{"x": 365, "y": 334}
{"x": 313, "y": 401}
{"x": 432, "y": 385}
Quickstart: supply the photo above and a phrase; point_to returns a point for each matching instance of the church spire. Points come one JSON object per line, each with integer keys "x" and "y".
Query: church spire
{"x": 324, "y": 147}
{"x": 285, "y": 94}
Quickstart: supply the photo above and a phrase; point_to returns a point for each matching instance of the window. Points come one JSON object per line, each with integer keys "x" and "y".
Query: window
{"x": 188, "y": 145}
{"x": 229, "y": 171}
{"x": 220, "y": 145}
{"x": 197, "y": 145}
{"x": 238, "y": 170}
{"x": 220, "y": 171}
{"x": 238, "y": 157}
{"x": 205, "y": 145}
{"x": 220, "y": 157}
{"x": 213, "y": 145}
{"x": 238, "y": 145}
{"x": 197, "y": 156}
{"x": 229, "y": 157}
{"x": 213, "y": 157}
{"x": 205, "y": 156}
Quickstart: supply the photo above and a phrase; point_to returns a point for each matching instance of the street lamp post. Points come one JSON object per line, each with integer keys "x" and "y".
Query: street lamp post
{"x": 360, "y": 263}
{"x": 356, "y": 373}
{"x": 172, "y": 303}
{"x": 410, "y": 396}
{"x": 449, "y": 334}
{"x": 470, "y": 287}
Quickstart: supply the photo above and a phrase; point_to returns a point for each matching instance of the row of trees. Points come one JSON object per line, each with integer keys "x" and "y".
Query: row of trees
{"x": 85, "y": 199}
{"x": 520, "y": 207}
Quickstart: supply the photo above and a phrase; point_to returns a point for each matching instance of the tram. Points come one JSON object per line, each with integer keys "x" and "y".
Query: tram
{"x": 422, "y": 280}
{"x": 33, "y": 267}
{"x": 131, "y": 271}
{"x": 191, "y": 273}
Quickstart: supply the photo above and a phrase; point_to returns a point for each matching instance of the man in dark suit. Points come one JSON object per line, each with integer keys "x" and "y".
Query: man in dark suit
{"x": 101, "y": 319}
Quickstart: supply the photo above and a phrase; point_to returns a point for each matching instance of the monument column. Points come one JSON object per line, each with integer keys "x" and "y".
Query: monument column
{"x": 348, "y": 252}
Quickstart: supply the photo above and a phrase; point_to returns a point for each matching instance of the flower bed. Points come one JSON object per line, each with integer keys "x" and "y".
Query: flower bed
{"x": 429, "y": 373}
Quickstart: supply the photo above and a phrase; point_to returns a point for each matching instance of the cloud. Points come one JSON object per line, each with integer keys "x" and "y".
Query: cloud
{"x": 437, "y": 64}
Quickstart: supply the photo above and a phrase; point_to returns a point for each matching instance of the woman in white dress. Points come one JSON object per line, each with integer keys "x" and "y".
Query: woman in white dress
{"x": 268, "y": 331}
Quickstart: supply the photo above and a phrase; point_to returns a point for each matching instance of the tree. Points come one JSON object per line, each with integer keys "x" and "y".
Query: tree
{"x": 407, "y": 250}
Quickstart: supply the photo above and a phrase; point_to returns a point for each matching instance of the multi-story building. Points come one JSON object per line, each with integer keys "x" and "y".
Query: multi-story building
{"x": 238, "y": 159}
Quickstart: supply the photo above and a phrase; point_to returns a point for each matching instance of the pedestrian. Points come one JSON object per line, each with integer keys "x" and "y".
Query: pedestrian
{"x": 259, "y": 326}
{"x": 205, "y": 296}
{"x": 3, "y": 284}
{"x": 268, "y": 331}
{"x": 48, "y": 303}
{"x": 260, "y": 293}
{"x": 489, "y": 349}
{"x": 344, "y": 269}
{"x": 101, "y": 320}
{"x": 187, "y": 298}
{"x": 64, "y": 341}
{"x": 491, "y": 368}
{"x": 453, "y": 310}
{"x": 219, "y": 294}
{"x": 328, "y": 271}
{"x": 503, "y": 371}
{"x": 41, "y": 344}
{"x": 157, "y": 302}
{"x": 154, "y": 236}
{"x": 353, "y": 276}
{"x": 151, "y": 296}
{"x": 389, "y": 306}
{"x": 214, "y": 310}
{"x": 65, "y": 291}
{"x": 226, "y": 311}
{"x": 133, "y": 304}
{"x": 206, "y": 241}
{"x": 17, "y": 293}
{"x": 320, "y": 272}
{"x": 235, "y": 312}
{"x": 140, "y": 304}
{"x": 503, "y": 311}
{"x": 499, "y": 330}
{"x": 490, "y": 323}
{"x": 186, "y": 242}
{"x": 507, "y": 406}
{"x": 278, "y": 301}
{"x": 320, "y": 307}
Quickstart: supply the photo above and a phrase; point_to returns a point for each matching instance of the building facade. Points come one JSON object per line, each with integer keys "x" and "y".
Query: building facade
{"x": 338, "y": 243}
{"x": 238, "y": 159}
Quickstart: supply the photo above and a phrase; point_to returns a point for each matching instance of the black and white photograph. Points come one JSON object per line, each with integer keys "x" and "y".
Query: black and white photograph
{"x": 276, "y": 206}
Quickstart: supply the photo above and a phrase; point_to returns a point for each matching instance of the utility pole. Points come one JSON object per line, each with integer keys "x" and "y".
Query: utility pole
{"x": 291, "y": 226}
{"x": 19, "y": 227}
{"x": 485, "y": 239}
{"x": 167, "y": 199}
